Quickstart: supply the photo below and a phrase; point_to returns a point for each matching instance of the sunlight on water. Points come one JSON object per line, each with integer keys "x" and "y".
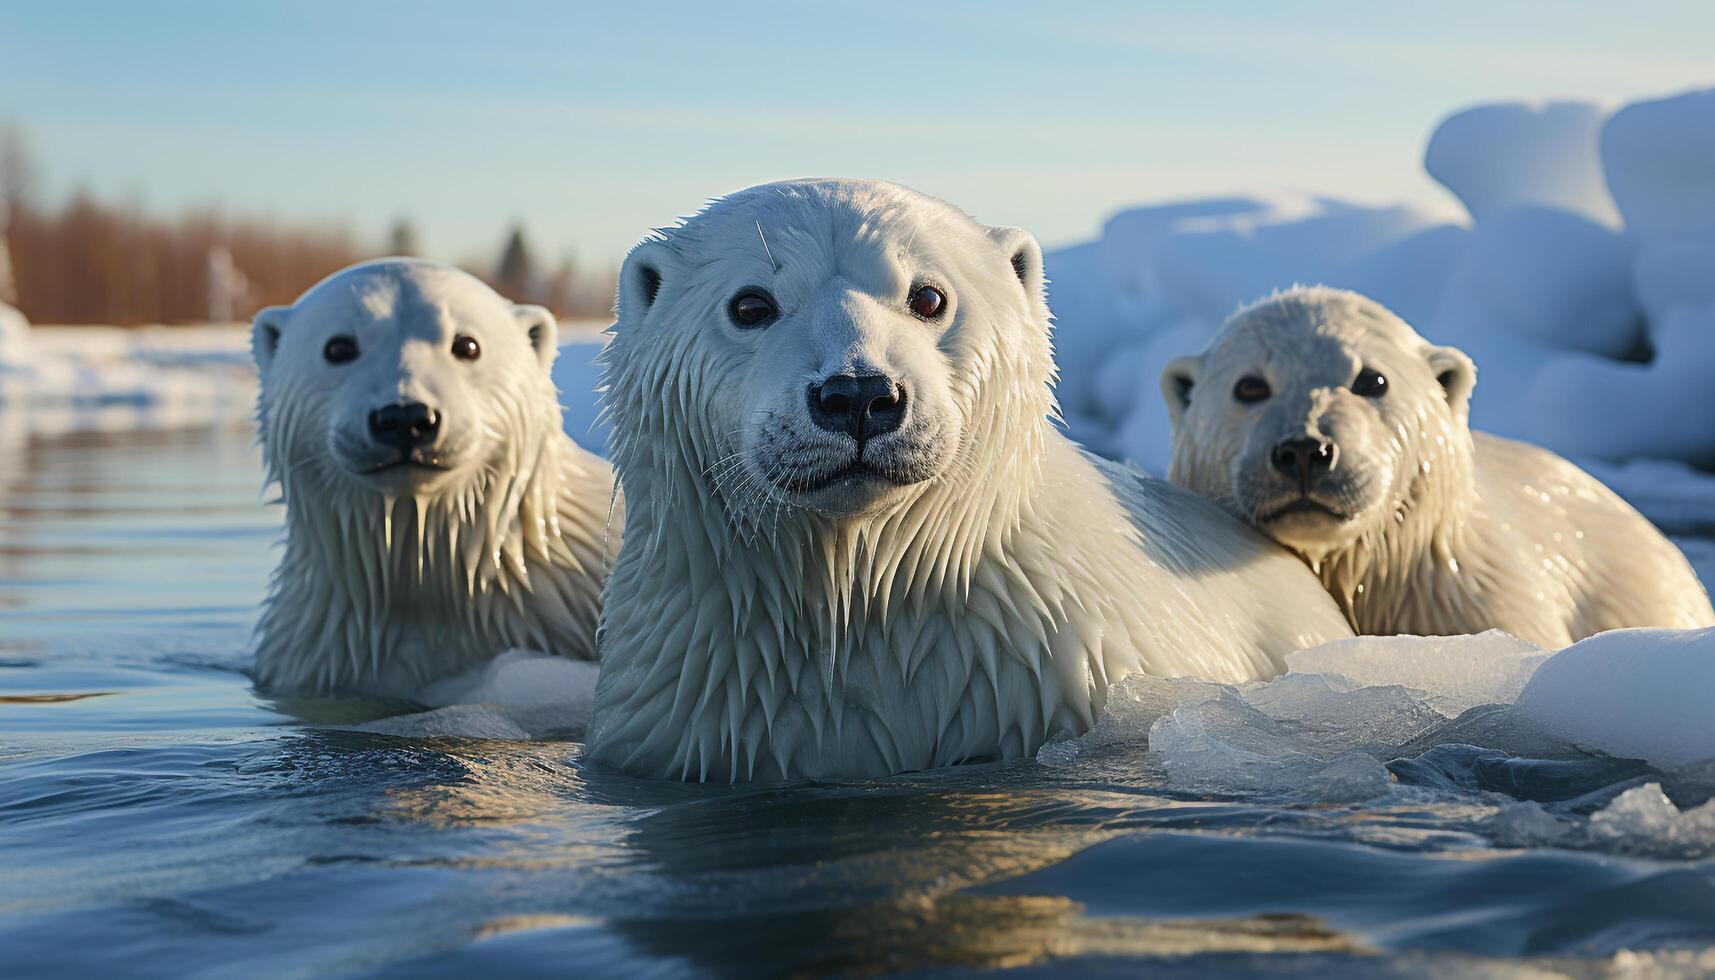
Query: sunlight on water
{"x": 158, "y": 818}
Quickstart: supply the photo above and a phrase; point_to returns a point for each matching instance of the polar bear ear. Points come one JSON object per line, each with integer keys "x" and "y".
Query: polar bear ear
{"x": 1024, "y": 255}
{"x": 265, "y": 330}
{"x": 1457, "y": 375}
{"x": 543, "y": 329}
{"x": 1177, "y": 380}
{"x": 640, "y": 280}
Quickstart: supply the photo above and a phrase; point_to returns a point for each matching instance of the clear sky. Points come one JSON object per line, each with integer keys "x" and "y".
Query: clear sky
{"x": 592, "y": 123}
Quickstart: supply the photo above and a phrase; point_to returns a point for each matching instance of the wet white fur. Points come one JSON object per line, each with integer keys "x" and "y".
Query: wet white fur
{"x": 384, "y": 587}
{"x": 969, "y": 616}
{"x": 1457, "y": 532}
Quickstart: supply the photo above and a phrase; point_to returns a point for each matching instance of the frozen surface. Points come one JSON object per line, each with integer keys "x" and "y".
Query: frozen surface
{"x": 1639, "y": 694}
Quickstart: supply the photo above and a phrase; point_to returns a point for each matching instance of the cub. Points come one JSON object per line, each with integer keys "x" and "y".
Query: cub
{"x": 436, "y": 513}
{"x": 1326, "y": 421}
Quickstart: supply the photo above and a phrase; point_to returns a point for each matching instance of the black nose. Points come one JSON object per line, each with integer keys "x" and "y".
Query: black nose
{"x": 1303, "y": 459}
{"x": 406, "y": 426}
{"x": 862, "y": 407}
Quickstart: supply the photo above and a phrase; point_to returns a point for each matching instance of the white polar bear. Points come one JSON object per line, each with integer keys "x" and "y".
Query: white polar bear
{"x": 436, "y": 514}
{"x": 855, "y": 542}
{"x": 1325, "y": 420}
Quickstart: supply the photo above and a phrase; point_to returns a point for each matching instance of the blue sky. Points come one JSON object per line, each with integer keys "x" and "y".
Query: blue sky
{"x": 593, "y": 123}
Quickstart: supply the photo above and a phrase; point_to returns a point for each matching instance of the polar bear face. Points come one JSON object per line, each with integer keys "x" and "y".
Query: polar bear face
{"x": 403, "y": 377}
{"x": 824, "y": 346}
{"x": 1319, "y": 416}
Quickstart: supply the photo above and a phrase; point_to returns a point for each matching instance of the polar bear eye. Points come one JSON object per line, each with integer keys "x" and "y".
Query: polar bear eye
{"x": 340, "y": 350}
{"x": 1370, "y": 384}
{"x": 466, "y": 348}
{"x": 1251, "y": 389}
{"x": 752, "y": 308}
{"x": 928, "y": 302}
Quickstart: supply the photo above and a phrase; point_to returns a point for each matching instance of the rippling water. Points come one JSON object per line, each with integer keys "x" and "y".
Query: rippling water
{"x": 158, "y": 818}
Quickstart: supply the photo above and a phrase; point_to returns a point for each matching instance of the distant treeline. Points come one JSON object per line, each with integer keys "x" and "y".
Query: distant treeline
{"x": 89, "y": 261}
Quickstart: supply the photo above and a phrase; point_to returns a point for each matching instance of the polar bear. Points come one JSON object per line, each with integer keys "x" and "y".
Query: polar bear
{"x": 855, "y": 542}
{"x": 1325, "y": 420}
{"x": 436, "y": 514}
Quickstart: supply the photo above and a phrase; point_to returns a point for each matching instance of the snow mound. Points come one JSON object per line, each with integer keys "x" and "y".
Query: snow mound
{"x": 1496, "y": 157}
{"x": 517, "y": 695}
{"x": 1615, "y": 411}
{"x": 1451, "y": 673}
{"x": 1660, "y": 161}
{"x": 1637, "y": 694}
{"x": 1548, "y": 275}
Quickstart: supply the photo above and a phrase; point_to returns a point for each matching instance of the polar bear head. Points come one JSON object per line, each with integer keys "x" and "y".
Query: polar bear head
{"x": 1321, "y": 417}
{"x": 403, "y": 378}
{"x": 832, "y": 348}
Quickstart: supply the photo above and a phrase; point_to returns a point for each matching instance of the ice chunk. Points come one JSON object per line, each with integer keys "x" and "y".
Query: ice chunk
{"x": 1637, "y": 693}
{"x": 1133, "y": 705}
{"x": 1644, "y": 820}
{"x": 1550, "y": 275}
{"x": 1226, "y": 744}
{"x": 1309, "y": 707}
{"x": 1453, "y": 673}
{"x": 1500, "y": 156}
{"x": 1527, "y": 824}
{"x": 1660, "y": 161}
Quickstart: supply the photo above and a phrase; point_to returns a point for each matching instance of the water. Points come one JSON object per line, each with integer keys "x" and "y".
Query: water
{"x": 158, "y": 818}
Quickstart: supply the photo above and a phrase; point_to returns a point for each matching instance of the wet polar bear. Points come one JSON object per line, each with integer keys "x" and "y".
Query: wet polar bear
{"x": 436, "y": 514}
{"x": 855, "y": 542}
{"x": 1325, "y": 420}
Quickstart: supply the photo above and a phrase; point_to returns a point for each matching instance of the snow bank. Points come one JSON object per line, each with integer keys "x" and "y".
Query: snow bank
{"x": 1637, "y": 694}
{"x": 55, "y": 379}
{"x": 1497, "y": 157}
